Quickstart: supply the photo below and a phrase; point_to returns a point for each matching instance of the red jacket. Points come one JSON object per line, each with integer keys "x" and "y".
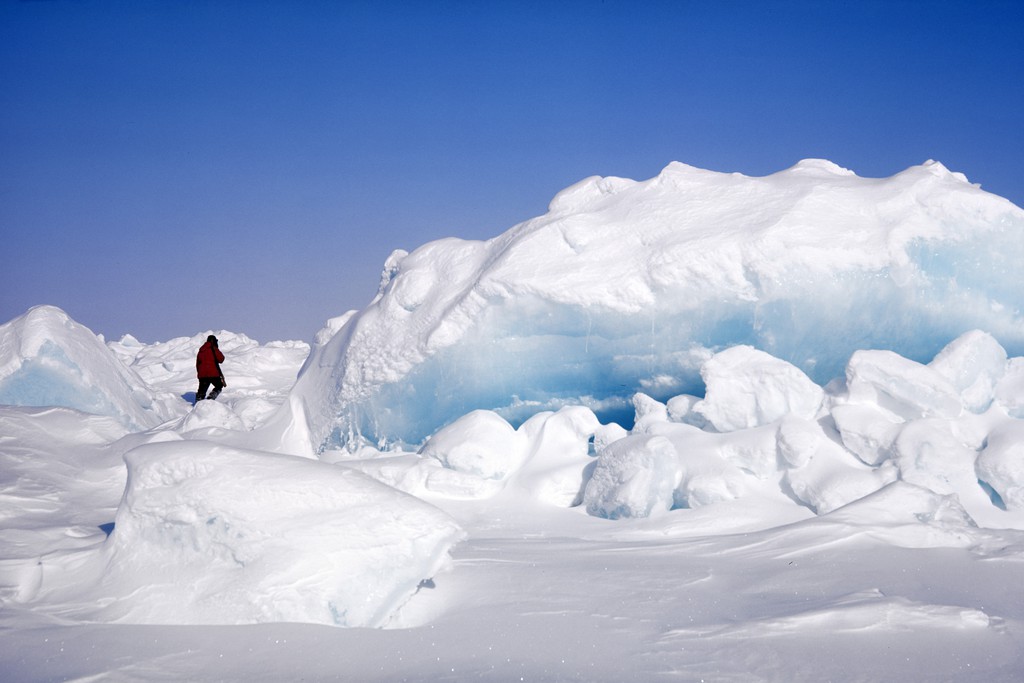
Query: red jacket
{"x": 205, "y": 364}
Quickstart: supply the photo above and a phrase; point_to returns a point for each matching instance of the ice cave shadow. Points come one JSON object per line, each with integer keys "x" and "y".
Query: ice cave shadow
{"x": 107, "y": 528}
{"x": 992, "y": 494}
{"x": 189, "y": 397}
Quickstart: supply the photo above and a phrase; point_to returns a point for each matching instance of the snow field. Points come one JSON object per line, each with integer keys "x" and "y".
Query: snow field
{"x": 702, "y": 427}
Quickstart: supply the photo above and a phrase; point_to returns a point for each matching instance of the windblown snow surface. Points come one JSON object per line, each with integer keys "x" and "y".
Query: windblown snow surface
{"x": 701, "y": 427}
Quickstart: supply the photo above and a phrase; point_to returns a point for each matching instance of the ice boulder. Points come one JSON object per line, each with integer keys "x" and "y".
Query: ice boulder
{"x": 680, "y": 409}
{"x": 833, "y": 478}
{"x": 1009, "y": 392}
{"x": 902, "y": 386}
{"x": 48, "y": 359}
{"x": 747, "y": 388}
{"x": 607, "y": 434}
{"x": 558, "y": 455}
{"x": 1001, "y": 464}
{"x": 973, "y": 363}
{"x": 798, "y": 440}
{"x": 634, "y": 477}
{"x": 707, "y": 477}
{"x": 481, "y": 443}
{"x": 754, "y": 451}
{"x": 930, "y": 454}
{"x": 648, "y": 411}
{"x": 480, "y": 455}
{"x": 867, "y": 430}
{"x": 207, "y": 534}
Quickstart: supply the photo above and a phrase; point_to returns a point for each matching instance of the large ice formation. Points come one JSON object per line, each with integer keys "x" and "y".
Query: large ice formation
{"x": 625, "y": 287}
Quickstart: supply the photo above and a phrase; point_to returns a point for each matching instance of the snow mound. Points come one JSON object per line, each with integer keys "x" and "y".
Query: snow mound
{"x": 209, "y": 415}
{"x": 627, "y": 286}
{"x": 209, "y": 534}
{"x": 481, "y": 455}
{"x": 1001, "y": 464}
{"x": 635, "y": 477}
{"x": 480, "y": 443}
{"x": 974, "y": 364}
{"x": 48, "y": 359}
{"x": 747, "y": 388}
{"x": 904, "y": 387}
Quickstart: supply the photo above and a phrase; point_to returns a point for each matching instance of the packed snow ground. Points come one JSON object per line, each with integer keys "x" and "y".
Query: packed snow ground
{"x": 773, "y": 525}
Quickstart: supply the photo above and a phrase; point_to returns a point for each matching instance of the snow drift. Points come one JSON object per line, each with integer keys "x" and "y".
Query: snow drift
{"x": 211, "y": 534}
{"x": 628, "y": 286}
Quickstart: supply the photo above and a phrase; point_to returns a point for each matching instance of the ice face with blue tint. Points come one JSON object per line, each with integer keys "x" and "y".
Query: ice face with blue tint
{"x": 52, "y": 379}
{"x": 47, "y": 359}
{"x": 628, "y": 286}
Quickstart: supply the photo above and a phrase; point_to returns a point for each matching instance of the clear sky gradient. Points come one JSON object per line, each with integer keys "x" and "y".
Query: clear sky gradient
{"x": 172, "y": 167}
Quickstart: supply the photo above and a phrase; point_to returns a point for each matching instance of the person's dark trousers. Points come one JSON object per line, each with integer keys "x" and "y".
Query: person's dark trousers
{"x": 205, "y": 383}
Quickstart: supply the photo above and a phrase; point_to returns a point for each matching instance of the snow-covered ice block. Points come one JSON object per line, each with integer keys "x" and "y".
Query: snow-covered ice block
{"x": 901, "y": 386}
{"x": 207, "y": 534}
{"x": 867, "y": 430}
{"x": 755, "y": 450}
{"x": 1001, "y": 463}
{"x": 1009, "y": 392}
{"x": 930, "y": 455}
{"x": 707, "y": 477}
{"x": 608, "y": 434}
{"x": 798, "y": 440}
{"x": 747, "y": 388}
{"x": 973, "y": 363}
{"x": 833, "y": 478}
{"x": 481, "y": 443}
{"x": 558, "y": 455}
{"x": 648, "y": 411}
{"x": 634, "y": 477}
{"x": 680, "y": 409}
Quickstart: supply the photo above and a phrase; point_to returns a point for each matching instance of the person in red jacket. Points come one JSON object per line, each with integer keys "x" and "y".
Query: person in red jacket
{"x": 208, "y": 362}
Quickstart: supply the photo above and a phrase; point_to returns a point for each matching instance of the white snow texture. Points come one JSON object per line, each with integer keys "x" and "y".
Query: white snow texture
{"x": 808, "y": 346}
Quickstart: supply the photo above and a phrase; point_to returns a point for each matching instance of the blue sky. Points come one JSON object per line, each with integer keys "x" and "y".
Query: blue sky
{"x": 172, "y": 167}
